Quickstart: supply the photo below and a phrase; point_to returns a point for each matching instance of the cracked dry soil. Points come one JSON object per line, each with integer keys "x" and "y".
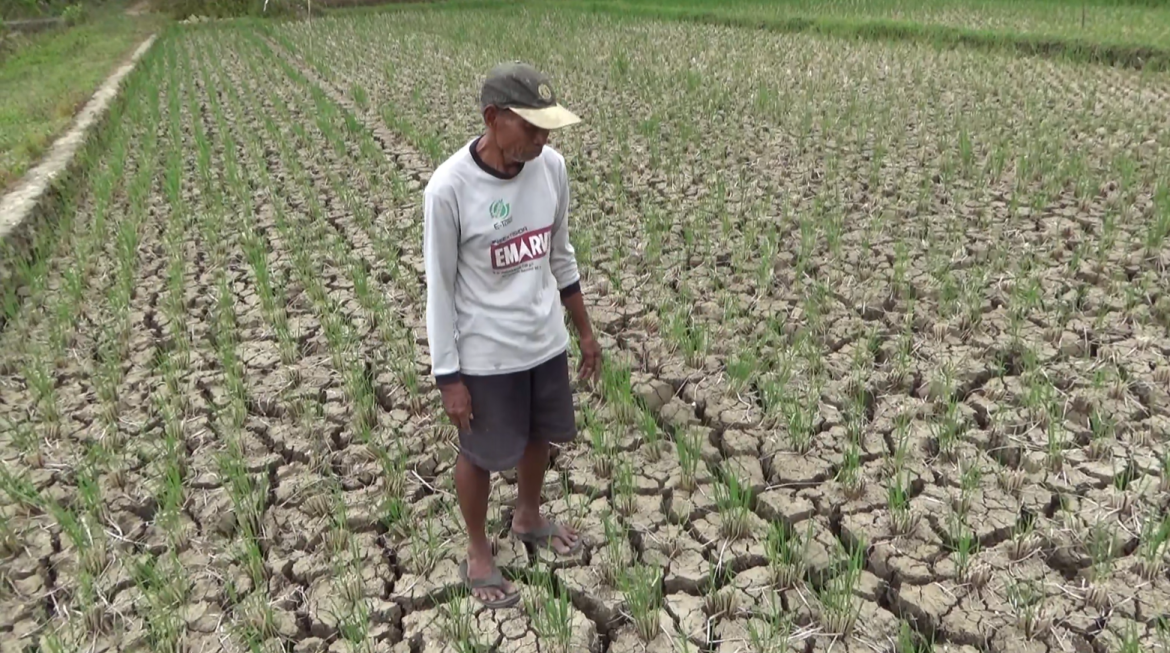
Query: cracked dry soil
{"x": 874, "y": 378}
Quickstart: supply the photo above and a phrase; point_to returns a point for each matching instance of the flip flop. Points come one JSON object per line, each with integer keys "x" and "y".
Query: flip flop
{"x": 544, "y": 537}
{"x": 494, "y": 581}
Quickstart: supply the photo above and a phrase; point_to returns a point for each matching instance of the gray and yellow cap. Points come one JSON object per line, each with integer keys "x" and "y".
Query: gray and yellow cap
{"x": 526, "y": 91}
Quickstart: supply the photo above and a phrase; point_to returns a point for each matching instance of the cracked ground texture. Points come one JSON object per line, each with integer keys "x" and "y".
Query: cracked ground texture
{"x": 885, "y": 330}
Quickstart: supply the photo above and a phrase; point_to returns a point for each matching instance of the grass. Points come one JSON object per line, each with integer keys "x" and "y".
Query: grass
{"x": 51, "y": 75}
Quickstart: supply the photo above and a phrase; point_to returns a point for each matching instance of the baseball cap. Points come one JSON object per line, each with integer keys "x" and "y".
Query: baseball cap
{"x": 528, "y": 92}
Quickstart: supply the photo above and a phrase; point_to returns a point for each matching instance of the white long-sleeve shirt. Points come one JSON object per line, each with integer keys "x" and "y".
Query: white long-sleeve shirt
{"x": 498, "y": 260}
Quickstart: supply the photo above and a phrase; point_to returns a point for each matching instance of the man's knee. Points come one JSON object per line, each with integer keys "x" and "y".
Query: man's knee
{"x": 484, "y": 466}
{"x": 536, "y": 447}
{"x": 466, "y": 464}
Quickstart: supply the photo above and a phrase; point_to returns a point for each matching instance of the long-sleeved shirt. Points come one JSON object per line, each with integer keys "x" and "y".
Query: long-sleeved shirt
{"x": 498, "y": 261}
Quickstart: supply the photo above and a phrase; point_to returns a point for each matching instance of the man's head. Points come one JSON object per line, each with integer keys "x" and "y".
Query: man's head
{"x": 521, "y": 109}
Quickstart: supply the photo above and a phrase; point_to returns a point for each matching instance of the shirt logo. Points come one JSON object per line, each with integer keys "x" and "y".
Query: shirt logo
{"x": 520, "y": 249}
{"x": 499, "y": 210}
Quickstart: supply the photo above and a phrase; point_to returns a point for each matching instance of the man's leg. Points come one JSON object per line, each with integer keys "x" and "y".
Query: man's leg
{"x": 472, "y": 484}
{"x": 552, "y": 421}
{"x": 530, "y": 478}
{"x": 499, "y": 431}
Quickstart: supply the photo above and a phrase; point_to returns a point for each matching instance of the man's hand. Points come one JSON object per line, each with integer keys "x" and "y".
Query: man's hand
{"x": 590, "y": 367}
{"x": 457, "y": 403}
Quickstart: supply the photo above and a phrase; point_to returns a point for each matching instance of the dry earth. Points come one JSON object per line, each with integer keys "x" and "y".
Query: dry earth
{"x": 886, "y": 337}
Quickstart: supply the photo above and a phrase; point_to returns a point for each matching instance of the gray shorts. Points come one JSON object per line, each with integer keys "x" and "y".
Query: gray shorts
{"x": 508, "y": 410}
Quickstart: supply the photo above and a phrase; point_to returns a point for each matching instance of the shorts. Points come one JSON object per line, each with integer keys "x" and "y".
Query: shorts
{"x": 509, "y": 410}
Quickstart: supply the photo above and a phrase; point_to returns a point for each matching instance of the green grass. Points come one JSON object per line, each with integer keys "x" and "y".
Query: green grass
{"x": 1131, "y": 33}
{"x": 1096, "y": 21}
{"x": 23, "y": 9}
{"x": 1134, "y": 36}
{"x": 50, "y": 77}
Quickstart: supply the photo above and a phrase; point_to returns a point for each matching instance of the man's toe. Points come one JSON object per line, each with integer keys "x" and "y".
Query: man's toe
{"x": 569, "y": 535}
{"x": 567, "y": 541}
{"x": 494, "y": 593}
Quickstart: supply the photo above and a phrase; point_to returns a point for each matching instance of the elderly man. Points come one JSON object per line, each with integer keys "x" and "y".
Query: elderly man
{"x": 499, "y": 266}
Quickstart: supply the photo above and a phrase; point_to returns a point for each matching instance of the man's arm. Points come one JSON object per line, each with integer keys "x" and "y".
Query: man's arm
{"x": 440, "y": 256}
{"x": 563, "y": 261}
{"x": 590, "y": 366}
{"x": 562, "y": 258}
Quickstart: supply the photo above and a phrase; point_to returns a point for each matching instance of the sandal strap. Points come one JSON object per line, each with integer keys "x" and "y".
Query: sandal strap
{"x": 495, "y": 580}
{"x": 548, "y": 531}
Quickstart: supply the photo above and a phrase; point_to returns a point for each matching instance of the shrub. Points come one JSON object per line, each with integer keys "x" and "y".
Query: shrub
{"x": 74, "y": 14}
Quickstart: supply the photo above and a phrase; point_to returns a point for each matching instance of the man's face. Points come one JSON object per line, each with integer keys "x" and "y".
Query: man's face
{"x": 520, "y": 140}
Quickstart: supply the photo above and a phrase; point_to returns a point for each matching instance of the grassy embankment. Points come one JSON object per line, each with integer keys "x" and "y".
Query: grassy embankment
{"x": 47, "y": 77}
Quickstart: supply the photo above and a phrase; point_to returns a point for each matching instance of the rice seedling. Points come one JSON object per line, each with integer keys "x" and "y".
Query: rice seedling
{"x": 902, "y": 519}
{"x": 742, "y": 369}
{"x": 1055, "y": 448}
{"x": 458, "y": 624}
{"x": 623, "y": 488}
{"x": 719, "y": 599}
{"x": 618, "y": 393}
{"x": 1162, "y": 632}
{"x": 734, "y": 500}
{"x": 772, "y": 631}
{"x": 949, "y": 430}
{"x": 970, "y": 480}
{"x": 849, "y": 474}
{"x": 1103, "y": 428}
{"x": 689, "y": 337}
{"x": 615, "y": 555}
{"x": 164, "y": 589}
{"x": 687, "y": 448}
{"x": 353, "y": 619}
{"x": 911, "y": 641}
{"x": 1029, "y": 603}
{"x": 641, "y": 588}
{"x": 1101, "y": 543}
{"x": 43, "y": 386}
{"x": 651, "y": 436}
{"x": 1130, "y": 640}
{"x": 786, "y": 550}
{"x": 838, "y": 606}
{"x": 1024, "y": 538}
{"x": 801, "y": 419}
{"x": 1152, "y": 544}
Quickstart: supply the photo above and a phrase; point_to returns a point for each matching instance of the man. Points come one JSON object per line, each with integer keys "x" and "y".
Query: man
{"x": 499, "y": 266}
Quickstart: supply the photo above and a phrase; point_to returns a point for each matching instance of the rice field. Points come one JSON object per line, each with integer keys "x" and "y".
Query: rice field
{"x": 886, "y": 327}
{"x": 1131, "y": 22}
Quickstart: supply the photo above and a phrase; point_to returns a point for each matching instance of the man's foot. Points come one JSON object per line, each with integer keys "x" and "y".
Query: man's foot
{"x": 534, "y": 528}
{"x": 484, "y": 580}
